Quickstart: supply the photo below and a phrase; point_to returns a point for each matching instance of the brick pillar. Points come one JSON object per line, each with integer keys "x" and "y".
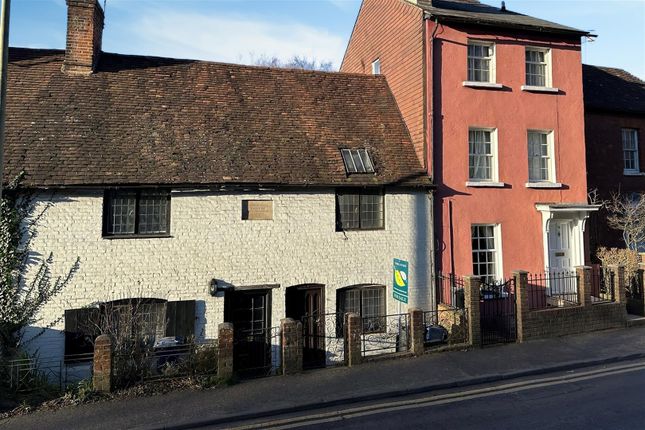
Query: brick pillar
{"x": 584, "y": 285}
{"x": 620, "y": 295}
{"x": 102, "y": 377}
{"x": 225, "y": 351}
{"x": 472, "y": 297}
{"x": 417, "y": 331}
{"x": 353, "y": 330}
{"x": 291, "y": 332}
{"x": 521, "y": 300}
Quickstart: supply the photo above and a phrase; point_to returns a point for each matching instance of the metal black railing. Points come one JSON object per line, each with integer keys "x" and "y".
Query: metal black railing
{"x": 602, "y": 284}
{"x": 386, "y": 334}
{"x": 445, "y": 327}
{"x": 553, "y": 289}
{"x": 33, "y": 373}
{"x": 450, "y": 290}
{"x": 132, "y": 366}
{"x": 323, "y": 340}
{"x": 498, "y": 317}
{"x": 634, "y": 288}
{"x": 256, "y": 353}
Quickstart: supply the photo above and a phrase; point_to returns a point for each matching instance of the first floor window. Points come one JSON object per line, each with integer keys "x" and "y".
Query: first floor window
{"x": 537, "y": 67}
{"x": 359, "y": 210}
{"x": 136, "y": 212}
{"x": 540, "y": 157}
{"x": 485, "y": 252}
{"x": 630, "y": 150}
{"x": 480, "y": 62}
{"x": 368, "y": 302}
{"x": 481, "y": 155}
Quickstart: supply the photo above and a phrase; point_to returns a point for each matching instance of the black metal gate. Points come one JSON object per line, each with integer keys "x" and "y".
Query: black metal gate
{"x": 322, "y": 340}
{"x": 498, "y": 317}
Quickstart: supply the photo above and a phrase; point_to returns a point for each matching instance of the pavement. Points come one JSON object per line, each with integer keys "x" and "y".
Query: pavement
{"x": 326, "y": 388}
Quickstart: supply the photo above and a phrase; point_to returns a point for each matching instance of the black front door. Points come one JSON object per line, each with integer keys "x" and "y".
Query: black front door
{"x": 250, "y": 311}
{"x": 305, "y": 303}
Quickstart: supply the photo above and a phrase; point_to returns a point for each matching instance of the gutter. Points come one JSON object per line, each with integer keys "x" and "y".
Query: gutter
{"x": 532, "y": 28}
{"x": 228, "y": 186}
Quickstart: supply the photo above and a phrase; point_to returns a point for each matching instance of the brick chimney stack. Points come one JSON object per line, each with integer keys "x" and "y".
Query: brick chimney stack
{"x": 84, "y": 35}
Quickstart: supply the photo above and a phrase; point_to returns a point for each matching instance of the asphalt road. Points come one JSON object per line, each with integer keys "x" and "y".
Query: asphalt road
{"x": 608, "y": 398}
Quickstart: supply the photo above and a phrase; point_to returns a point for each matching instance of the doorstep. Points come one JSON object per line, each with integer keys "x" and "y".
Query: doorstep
{"x": 635, "y": 321}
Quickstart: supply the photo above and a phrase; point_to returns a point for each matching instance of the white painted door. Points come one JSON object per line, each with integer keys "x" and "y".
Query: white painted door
{"x": 559, "y": 287}
{"x": 560, "y": 246}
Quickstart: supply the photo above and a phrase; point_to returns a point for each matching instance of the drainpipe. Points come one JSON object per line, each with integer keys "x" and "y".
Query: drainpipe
{"x": 431, "y": 164}
{"x": 452, "y": 237}
{"x": 432, "y": 97}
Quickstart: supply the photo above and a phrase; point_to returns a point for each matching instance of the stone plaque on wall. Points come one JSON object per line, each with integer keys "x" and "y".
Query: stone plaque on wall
{"x": 255, "y": 210}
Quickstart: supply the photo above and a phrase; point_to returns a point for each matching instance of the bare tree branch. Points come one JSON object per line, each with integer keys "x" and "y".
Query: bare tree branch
{"x": 627, "y": 214}
{"x": 296, "y": 62}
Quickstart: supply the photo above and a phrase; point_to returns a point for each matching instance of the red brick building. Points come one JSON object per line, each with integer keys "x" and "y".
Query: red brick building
{"x": 494, "y": 104}
{"x": 614, "y": 128}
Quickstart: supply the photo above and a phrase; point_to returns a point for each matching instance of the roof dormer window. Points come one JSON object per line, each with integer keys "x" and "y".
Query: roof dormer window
{"x": 357, "y": 161}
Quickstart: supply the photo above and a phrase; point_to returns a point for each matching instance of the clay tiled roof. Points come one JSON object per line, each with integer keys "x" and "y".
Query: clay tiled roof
{"x": 472, "y": 11}
{"x": 610, "y": 89}
{"x": 142, "y": 120}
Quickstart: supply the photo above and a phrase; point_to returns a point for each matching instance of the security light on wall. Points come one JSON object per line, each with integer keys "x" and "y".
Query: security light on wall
{"x": 216, "y": 286}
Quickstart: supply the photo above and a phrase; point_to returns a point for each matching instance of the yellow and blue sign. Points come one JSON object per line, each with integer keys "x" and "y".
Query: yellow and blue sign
{"x": 401, "y": 280}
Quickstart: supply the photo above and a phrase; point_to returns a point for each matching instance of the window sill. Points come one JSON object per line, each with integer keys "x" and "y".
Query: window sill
{"x": 482, "y": 184}
{"x": 487, "y": 85}
{"x": 634, "y": 173}
{"x": 543, "y": 185}
{"x": 138, "y": 236}
{"x": 534, "y": 89}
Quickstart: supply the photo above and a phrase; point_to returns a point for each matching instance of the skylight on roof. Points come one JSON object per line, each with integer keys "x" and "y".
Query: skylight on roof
{"x": 357, "y": 161}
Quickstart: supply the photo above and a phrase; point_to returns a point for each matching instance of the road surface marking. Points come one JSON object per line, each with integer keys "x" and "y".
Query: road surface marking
{"x": 329, "y": 417}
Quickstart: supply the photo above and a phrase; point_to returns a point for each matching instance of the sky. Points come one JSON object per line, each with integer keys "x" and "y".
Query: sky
{"x": 241, "y": 31}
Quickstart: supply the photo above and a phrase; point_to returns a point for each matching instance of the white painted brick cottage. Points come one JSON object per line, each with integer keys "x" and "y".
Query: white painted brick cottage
{"x": 246, "y": 194}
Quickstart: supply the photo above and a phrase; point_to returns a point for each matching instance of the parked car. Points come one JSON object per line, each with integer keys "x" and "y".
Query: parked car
{"x": 435, "y": 334}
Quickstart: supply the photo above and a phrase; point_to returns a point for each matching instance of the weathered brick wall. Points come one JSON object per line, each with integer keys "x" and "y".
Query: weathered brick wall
{"x": 210, "y": 240}
{"x": 392, "y": 31}
{"x": 573, "y": 320}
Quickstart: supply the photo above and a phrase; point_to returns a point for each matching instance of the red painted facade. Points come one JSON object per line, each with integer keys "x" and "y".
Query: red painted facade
{"x": 452, "y": 108}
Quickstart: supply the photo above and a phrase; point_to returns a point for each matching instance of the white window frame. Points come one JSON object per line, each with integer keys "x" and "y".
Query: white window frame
{"x": 548, "y": 78}
{"x": 492, "y": 75}
{"x": 636, "y": 168}
{"x": 497, "y": 240}
{"x": 376, "y": 67}
{"x": 551, "y": 179}
{"x": 494, "y": 179}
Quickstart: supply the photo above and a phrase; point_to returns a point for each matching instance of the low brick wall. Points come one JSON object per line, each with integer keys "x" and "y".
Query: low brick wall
{"x": 572, "y": 320}
{"x": 562, "y": 321}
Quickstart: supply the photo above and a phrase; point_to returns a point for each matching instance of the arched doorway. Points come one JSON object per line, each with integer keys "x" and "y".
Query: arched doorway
{"x": 306, "y": 303}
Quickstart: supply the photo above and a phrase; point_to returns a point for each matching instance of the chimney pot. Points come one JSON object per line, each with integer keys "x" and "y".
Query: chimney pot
{"x": 85, "y": 20}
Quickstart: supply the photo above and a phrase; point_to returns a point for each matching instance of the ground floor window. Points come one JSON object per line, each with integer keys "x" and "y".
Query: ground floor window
{"x": 139, "y": 320}
{"x": 486, "y": 251}
{"x": 368, "y": 301}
